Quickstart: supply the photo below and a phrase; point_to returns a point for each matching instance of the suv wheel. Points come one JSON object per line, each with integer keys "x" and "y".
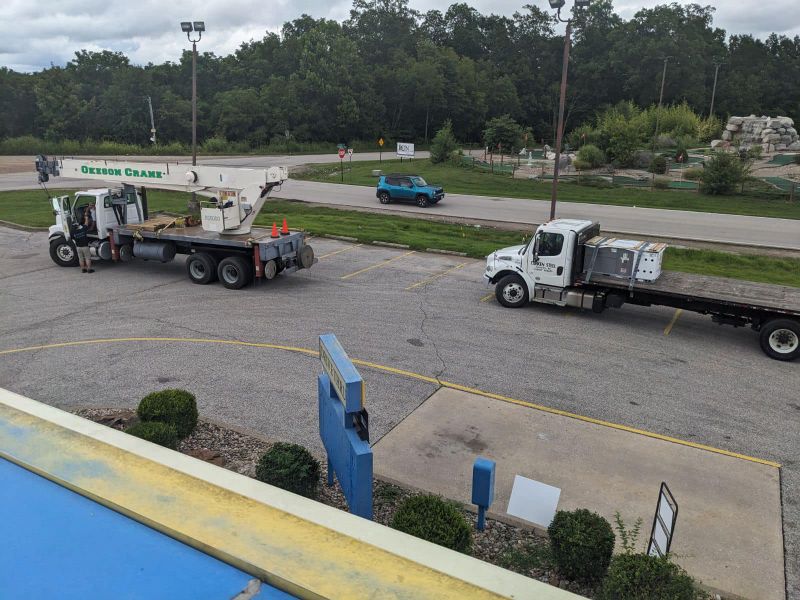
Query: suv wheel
{"x": 422, "y": 200}
{"x": 385, "y": 198}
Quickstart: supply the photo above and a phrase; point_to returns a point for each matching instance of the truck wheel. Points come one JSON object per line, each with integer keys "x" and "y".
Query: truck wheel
{"x": 201, "y": 268}
{"x": 422, "y": 200}
{"x": 780, "y": 339}
{"x": 385, "y": 198}
{"x": 63, "y": 253}
{"x": 234, "y": 272}
{"x": 511, "y": 291}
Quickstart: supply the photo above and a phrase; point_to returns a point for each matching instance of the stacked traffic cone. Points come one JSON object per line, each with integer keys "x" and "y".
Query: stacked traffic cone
{"x": 284, "y": 228}
{"x": 274, "y": 229}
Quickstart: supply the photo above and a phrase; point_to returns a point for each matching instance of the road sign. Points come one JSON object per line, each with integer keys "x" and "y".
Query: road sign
{"x": 405, "y": 149}
{"x": 380, "y": 142}
{"x": 350, "y": 151}
{"x": 663, "y": 523}
{"x": 341, "y": 152}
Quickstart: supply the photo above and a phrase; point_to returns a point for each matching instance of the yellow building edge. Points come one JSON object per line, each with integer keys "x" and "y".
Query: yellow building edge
{"x": 304, "y": 547}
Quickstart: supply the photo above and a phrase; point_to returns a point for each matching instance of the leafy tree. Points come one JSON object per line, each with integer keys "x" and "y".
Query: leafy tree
{"x": 722, "y": 173}
{"x": 502, "y": 132}
{"x": 444, "y": 143}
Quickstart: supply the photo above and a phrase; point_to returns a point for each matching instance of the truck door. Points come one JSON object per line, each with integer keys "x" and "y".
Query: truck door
{"x": 547, "y": 263}
{"x": 62, "y": 207}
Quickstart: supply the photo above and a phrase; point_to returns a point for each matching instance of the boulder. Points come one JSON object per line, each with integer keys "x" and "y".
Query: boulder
{"x": 730, "y": 127}
{"x": 794, "y": 146}
{"x": 781, "y": 147}
{"x": 736, "y": 120}
{"x": 726, "y": 136}
{"x": 715, "y": 143}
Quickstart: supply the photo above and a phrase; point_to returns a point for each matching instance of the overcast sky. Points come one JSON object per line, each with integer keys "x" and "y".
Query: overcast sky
{"x": 34, "y": 35}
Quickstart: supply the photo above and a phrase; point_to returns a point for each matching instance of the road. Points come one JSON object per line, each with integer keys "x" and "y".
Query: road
{"x": 642, "y": 222}
{"x": 429, "y": 314}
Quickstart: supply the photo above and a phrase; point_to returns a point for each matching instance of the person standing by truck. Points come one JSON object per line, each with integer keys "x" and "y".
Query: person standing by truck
{"x": 80, "y": 235}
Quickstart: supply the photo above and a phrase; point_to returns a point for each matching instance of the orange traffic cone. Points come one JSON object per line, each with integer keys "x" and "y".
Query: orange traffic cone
{"x": 274, "y": 229}
{"x": 284, "y": 228}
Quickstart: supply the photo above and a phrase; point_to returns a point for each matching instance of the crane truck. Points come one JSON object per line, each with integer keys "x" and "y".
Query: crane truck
{"x": 568, "y": 263}
{"x": 224, "y": 246}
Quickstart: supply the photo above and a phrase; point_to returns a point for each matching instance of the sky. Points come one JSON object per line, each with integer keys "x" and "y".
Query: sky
{"x": 34, "y": 35}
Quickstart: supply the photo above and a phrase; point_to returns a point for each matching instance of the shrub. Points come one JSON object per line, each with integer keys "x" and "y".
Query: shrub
{"x": 436, "y": 520}
{"x": 722, "y": 173}
{"x": 592, "y": 155}
{"x": 581, "y": 544}
{"x": 709, "y": 129}
{"x": 174, "y": 407}
{"x": 581, "y": 165}
{"x": 156, "y": 432}
{"x": 643, "y": 577}
{"x": 658, "y": 165}
{"x": 642, "y": 159}
{"x": 693, "y": 173}
{"x": 661, "y": 183}
{"x": 444, "y": 143}
{"x": 290, "y": 467}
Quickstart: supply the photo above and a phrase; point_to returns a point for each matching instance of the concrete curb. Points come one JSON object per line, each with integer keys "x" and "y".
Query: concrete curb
{"x": 450, "y": 252}
{"x": 11, "y": 225}
{"x": 391, "y": 245}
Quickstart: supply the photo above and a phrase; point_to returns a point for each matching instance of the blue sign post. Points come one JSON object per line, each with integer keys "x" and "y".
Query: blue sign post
{"x": 482, "y": 488}
{"x": 344, "y": 426}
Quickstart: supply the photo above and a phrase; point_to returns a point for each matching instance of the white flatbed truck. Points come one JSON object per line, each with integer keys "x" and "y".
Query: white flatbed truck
{"x": 555, "y": 267}
{"x": 225, "y": 246}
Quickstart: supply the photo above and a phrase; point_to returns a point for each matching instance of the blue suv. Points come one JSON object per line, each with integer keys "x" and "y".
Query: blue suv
{"x": 407, "y": 188}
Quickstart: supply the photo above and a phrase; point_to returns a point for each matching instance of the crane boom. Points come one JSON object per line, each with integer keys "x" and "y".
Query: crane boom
{"x": 236, "y": 194}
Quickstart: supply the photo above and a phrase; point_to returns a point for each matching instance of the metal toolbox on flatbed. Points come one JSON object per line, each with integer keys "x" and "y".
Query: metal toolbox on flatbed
{"x": 626, "y": 259}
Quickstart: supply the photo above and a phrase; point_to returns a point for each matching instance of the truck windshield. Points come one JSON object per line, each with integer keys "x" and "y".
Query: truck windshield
{"x": 419, "y": 181}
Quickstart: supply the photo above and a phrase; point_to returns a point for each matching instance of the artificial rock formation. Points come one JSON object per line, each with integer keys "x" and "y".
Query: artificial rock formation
{"x": 771, "y": 133}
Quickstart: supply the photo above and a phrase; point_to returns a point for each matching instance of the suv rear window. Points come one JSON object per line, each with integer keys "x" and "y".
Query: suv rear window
{"x": 392, "y": 181}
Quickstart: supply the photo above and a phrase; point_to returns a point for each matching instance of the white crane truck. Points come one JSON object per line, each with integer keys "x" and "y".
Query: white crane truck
{"x": 559, "y": 266}
{"x": 225, "y": 246}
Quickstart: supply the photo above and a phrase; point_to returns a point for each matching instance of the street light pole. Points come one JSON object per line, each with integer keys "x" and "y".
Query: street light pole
{"x": 187, "y": 27}
{"x": 717, "y": 64}
{"x": 663, "y": 79}
{"x": 558, "y": 4}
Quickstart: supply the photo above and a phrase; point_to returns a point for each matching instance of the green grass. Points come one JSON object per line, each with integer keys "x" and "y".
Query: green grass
{"x": 460, "y": 180}
{"x": 782, "y": 160}
{"x": 33, "y": 209}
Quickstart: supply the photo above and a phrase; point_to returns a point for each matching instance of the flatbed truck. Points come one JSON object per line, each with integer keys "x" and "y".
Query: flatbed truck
{"x": 555, "y": 267}
{"x": 225, "y": 247}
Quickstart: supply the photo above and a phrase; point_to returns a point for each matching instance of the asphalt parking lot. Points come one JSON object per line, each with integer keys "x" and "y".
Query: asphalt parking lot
{"x": 428, "y": 314}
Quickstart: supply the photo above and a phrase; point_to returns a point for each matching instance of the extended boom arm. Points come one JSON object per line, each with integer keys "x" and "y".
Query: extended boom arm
{"x": 236, "y": 194}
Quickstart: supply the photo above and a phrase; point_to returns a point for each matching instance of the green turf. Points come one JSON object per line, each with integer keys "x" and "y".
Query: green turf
{"x": 782, "y": 159}
{"x": 33, "y": 209}
{"x": 460, "y": 180}
{"x": 781, "y": 183}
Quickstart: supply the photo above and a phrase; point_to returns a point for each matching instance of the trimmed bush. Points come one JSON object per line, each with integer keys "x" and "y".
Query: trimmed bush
{"x": 722, "y": 173}
{"x": 693, "y": 173}
{"x": 658, "y": 165}
{"x": 173, "y": 407}
{"x": 642, "y": 577}
{"x": 581, "y": 165}
{"x": 581, "y": 544}
{"x": 156, "y": 432}
{"x": 661, "y": 183}
{"x": 436, "y": 520}
{"x": 290, "y": 467}
{"x": 592, "y": 155}
{"x": 642, "y": 159}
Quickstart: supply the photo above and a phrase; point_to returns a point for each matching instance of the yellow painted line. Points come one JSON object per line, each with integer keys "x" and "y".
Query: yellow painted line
{"x": 674, "y": 320}
{"x": 487, "y": 297}
{"x": 339, "y": 251}
{"x": 412, "y": 375}
{"x": 380, "y": 264}
{"x": 267, "y": 539}
{"x": 435, "y": 277}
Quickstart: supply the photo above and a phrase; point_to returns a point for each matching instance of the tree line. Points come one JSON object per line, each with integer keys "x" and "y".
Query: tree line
{"x": 392, "y": 71}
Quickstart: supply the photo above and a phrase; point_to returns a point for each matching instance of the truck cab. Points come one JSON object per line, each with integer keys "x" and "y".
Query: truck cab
{"x": 109, "y": 208}
{"x": 545, "y": 268}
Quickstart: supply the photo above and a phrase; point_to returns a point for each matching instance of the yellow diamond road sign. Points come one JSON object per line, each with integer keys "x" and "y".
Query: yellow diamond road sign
{"x": 380, "y": 141}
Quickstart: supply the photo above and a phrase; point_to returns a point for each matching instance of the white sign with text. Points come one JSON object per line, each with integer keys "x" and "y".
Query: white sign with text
{"x": 405, "y": 149}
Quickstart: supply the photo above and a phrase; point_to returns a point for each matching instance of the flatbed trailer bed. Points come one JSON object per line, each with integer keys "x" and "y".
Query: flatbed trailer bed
{"x": 234, "y": 259}
{"x": 701, "y": 292}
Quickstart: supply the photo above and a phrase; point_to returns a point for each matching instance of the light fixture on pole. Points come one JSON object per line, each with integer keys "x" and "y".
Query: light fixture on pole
{"x": 557, "y": 5}
{"x": 187, "y": 27}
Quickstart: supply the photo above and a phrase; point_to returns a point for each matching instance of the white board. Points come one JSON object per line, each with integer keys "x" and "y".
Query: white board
{"x": 405, "y": 149}
{"x": 533, "y": 501}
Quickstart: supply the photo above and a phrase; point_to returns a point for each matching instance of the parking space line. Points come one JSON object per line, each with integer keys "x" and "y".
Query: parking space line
{"x": 375, "y": 266}
{"x": 487, "y": 297}
{"x": 412, "y": 375}
{"x": 434, "y": 277}
{"x": 669, "y": 327}
{"x": 339, "y": 251}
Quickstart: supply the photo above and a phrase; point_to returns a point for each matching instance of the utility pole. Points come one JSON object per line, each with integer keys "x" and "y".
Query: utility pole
{"x": 718, "y": 62}
{"x": 557, "y": 5}
{"x": 658, "y": 117}
{"x": 187, "y": 27}
{"x": 663, "y": 79}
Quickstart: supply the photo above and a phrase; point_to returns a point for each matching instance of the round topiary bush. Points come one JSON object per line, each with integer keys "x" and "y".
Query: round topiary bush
{"x": 174, "y": 407}
{"x": 581, "y": 544}
{"x": 158, "y": 433}
{"x": 290, "y": 467}
{"x": 435, "y": 520}
{"x": 591, "y": 155}
{"x": 658, "y": 165}
{"x": 642, "y": 577}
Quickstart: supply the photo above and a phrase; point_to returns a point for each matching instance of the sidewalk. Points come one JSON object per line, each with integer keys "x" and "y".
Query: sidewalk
{"x": 728, "y": 533}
